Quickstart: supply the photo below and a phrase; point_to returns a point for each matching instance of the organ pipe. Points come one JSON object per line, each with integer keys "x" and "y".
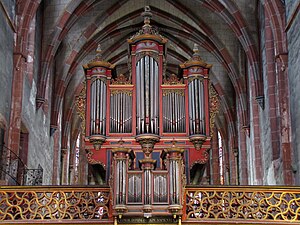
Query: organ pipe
{"x": 174, "y": 111}
{"x": 147, "y": 83}
{"x": 121, "y": 111}
{"x": 196, "y": 107}
{"x": 98, "y": 107}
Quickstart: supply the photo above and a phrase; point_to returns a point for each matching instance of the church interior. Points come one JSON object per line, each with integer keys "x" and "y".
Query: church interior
{"x": 150, "y": 111}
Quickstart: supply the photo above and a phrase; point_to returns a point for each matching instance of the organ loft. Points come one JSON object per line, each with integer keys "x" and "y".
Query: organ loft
{"x": 148, "y": 129}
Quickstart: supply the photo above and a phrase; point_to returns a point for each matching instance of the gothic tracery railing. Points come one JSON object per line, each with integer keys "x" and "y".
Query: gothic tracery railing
{"x": 49, "y": 204}
{"x": 211, "y": 204}
{"x": 252, "y": 204}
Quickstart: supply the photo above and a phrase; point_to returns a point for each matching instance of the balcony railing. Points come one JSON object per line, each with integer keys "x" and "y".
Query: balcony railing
{"x": 49, "y": 204}
{"x": 12, "y": 167}
{"x": 205, "y": 205}
{"x": 15, "y": 172}
{"x": 249, "y": 204}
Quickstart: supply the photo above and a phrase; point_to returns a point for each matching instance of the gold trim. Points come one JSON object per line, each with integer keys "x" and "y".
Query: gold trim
{"x": 121, "y": 80}
{"x": 98, "y": 64}
{"x": 117, "y": 91}
{"x": 166, "y": 92}
{"x": 247, "y": 204}
{"x": 80, "y": 102}
{"x": 214, "y": 108}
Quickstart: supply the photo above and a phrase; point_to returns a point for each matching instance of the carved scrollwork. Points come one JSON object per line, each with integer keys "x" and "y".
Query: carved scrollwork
{"x": 119, "y": 91}
{"x": 40, "y": 204}
{"x": 243, "y": 203}
{"x": 80, "y": 106}
{"x": 214, "y": 107}
{"x": 172, "y": 80}
{"x": 152, "y": 54}
{"x": 180, "y": 92}
{"x": 91, "y": 160}
{"x": 121, "y": 80}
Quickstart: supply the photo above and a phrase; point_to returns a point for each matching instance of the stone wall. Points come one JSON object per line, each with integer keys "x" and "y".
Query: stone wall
{"x": 37, "y": 122}
{"x": 264, "y": 113}
{"x": 6, "y": 62}
{"x": 293, "y": 34}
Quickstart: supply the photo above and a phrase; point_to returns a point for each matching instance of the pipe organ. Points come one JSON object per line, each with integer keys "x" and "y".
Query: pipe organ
{"x": 147, "y": 128}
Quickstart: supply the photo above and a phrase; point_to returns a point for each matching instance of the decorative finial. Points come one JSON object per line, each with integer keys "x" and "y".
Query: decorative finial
{"x": 98, "y": 53}
{"x": 196, "y": 48}
{"x": 98, "y": 50}
{"x": 147, "y": 16}
{"x": 196, "y": 55}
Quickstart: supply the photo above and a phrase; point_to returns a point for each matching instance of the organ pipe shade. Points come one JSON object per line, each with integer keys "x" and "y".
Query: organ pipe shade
{"x": 121, "y": 112}
{"x": 98, "y": 107}
{"x": 174, "y": 112}
{"x": 147, "y": 95}
{"x": 196, "y": 106}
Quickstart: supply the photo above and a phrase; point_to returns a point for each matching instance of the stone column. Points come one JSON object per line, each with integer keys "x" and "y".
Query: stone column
{"x": 285, "y": 118}
{"x": 16, "y": 104}
{"x": 236, "y": 160}
{"x": 215, "y": 162}
{"x": 64, "y": 166}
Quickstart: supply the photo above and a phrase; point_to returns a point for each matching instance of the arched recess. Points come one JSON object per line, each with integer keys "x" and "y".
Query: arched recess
{"x": 96, "y": 174}
{"x": 196, "y": 173}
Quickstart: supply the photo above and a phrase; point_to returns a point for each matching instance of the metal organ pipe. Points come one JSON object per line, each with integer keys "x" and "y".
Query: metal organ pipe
{"x": 202, "y": 118}
{"x": 151, "y": 90}
{"x": 174, "y": 111}
{"x": 92, "y": 108}
{"x": 196, "y": 106}
{"x": 156, "y": 98}
{"x": 120, "y": 112}
{"x": 147, "y": 88}
{"x": 138, "y": 97}
{"x": 98, "y": 107}
{"x": 142, "y": 99}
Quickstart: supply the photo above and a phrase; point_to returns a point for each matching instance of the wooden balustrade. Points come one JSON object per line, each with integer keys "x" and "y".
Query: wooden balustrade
{"x": 205, "y": 205}
{"x": 49, "y": 204}
{"x": 242, "y": 204}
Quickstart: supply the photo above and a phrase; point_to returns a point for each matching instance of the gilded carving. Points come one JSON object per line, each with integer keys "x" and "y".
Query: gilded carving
{"x": 80, "y": 106}
{"x": 172, "y": 80}
{"x": 91, "y": 160}
{"x": 242, "y": 203}
{"x": 40, "y": 205}
{"x": 194, "y": 77}
{"x": 166, "y": 92}
{"x": 120, "y": 91}
{"x": 214, "y": 107}
{"x": 121, "y": 80}
{"x": 152, "y": 54}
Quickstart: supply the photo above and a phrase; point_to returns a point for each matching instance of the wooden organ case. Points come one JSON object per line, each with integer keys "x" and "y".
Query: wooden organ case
{"x": 148, "y": 128}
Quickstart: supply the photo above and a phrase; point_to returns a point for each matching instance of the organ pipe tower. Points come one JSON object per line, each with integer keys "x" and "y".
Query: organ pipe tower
{"x": 147, "y": 128}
